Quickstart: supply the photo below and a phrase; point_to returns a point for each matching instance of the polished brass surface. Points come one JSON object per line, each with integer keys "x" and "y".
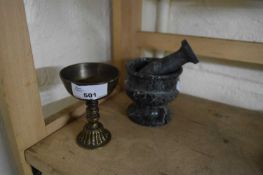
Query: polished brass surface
{"x": 93, "y": 135}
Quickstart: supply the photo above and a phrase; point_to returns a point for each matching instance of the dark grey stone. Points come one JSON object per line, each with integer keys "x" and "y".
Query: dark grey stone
{"x": 172, "y": 62}
{"x": 150, "y": 93}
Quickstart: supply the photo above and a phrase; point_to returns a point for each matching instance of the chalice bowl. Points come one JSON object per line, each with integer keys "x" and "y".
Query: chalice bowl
{"x": 91, "y": 82}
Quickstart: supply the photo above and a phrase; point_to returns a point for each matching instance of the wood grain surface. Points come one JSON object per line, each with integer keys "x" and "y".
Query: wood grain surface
{"x": 223, "y": 49}
{"x": 20, "y": 107}
{"x": 203, "y": 137}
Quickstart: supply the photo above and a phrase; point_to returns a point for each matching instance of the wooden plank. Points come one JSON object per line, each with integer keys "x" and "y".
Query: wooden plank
{"x": 242, "y": 51}
{"x": 116, "y": 33}
{"x": 203, "y": 137}
{"x": 63, "y": 117}
{"x": 131, "y": 23}
{"x": 126, "y": 22}
{"x": 19, "y": 97}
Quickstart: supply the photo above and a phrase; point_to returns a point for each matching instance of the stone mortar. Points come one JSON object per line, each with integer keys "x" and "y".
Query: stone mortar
{"x": 150, "y": 93}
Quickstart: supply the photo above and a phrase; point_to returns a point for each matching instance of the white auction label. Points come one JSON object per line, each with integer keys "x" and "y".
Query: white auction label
{"x": 90, "y": 92}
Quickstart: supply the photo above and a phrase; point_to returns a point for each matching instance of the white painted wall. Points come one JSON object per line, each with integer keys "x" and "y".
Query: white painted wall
{"x": 63, "y": 33}
{"x": 232, "y": 83}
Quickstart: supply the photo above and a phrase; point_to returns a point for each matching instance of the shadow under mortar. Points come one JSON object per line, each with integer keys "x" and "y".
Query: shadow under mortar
{"x": 150, "y": 93}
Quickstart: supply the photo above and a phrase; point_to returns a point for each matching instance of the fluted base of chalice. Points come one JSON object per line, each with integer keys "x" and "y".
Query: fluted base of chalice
{"x": 93, "y": 135}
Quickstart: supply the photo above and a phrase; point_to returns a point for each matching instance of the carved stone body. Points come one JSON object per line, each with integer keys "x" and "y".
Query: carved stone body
{"x": 150, "y": 93}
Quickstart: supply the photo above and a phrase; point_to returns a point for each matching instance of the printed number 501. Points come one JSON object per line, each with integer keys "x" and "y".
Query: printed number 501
{"x": 90, "y": 95}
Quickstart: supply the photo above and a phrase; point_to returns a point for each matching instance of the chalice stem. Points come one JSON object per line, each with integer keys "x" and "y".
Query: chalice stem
{"x": 92, "y": 112}
{"x": 93, "y": 135}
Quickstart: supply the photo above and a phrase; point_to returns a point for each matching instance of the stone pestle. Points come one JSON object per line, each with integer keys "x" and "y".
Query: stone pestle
{"x": 170, "y": 63}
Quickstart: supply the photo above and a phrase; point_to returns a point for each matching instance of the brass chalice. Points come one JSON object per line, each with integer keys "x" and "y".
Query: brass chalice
{"x": 91, "y": 82}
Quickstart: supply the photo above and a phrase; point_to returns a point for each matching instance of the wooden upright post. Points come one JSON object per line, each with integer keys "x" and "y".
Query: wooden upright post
{"x": 126, "y": 22}
{"x": 20, "y": 107}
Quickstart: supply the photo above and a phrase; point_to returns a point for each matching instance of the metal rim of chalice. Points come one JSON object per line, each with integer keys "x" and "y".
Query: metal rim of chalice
{"x": 73, "y": 73}
{"x": 66, "y": 73}
{"x": 132, "y": 70}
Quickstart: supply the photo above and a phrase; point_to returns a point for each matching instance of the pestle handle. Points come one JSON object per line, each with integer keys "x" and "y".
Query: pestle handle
{"x": 184, "y": 51}
{"x": 172, "y": 62}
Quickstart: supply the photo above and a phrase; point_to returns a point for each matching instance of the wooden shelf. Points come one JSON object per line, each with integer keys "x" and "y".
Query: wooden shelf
{"x": 203, "y": 137}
